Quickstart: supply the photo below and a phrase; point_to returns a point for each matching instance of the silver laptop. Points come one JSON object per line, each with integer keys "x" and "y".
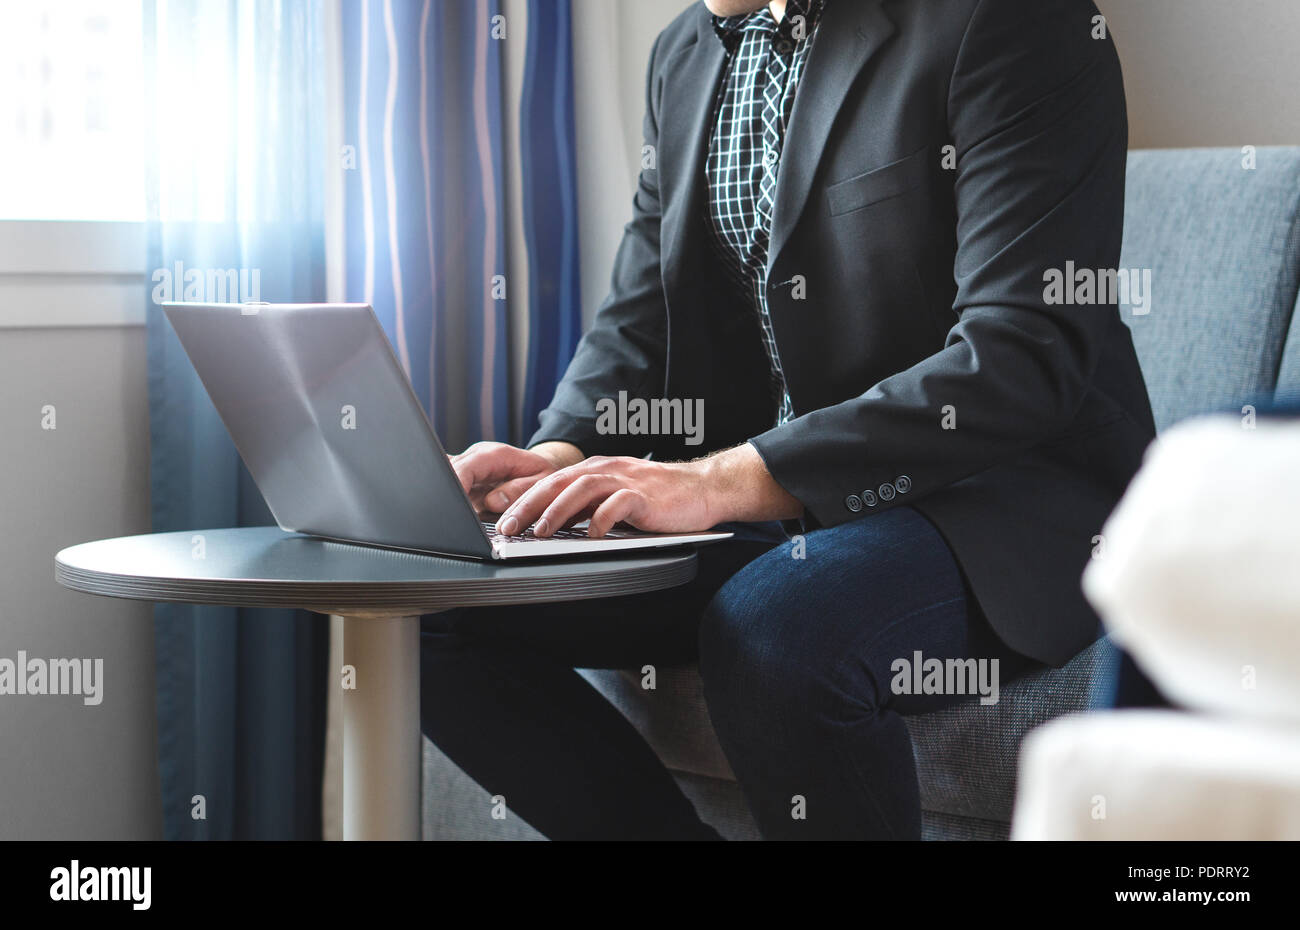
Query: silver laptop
{"x": 337, "y": 442}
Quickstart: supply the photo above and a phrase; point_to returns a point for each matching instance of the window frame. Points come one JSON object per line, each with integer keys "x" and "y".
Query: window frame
{"x": 56, "y": 273}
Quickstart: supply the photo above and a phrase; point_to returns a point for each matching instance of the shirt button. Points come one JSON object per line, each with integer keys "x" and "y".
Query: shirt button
{"x": 783, "y": 46}
{"x": 853, "y": 502}
{"x": 770, "y": 159}
{"x": 886, "y": 491}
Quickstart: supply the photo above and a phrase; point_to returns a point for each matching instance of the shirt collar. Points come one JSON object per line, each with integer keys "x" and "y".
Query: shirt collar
{"x": 729, "y": 29}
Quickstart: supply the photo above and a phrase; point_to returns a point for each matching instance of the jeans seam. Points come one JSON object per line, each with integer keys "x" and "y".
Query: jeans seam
{"x": 841, "y": 750}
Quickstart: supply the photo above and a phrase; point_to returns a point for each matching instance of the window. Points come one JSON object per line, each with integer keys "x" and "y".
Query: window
{"x": 71, "y": 119}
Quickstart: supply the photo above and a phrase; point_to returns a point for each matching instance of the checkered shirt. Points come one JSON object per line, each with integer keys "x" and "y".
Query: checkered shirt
{"x": 765, "y": 63}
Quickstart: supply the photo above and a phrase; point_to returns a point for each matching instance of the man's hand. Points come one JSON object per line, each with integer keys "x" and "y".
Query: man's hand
{"x": 658, "y": 497}
{"x": 494, "y": 474}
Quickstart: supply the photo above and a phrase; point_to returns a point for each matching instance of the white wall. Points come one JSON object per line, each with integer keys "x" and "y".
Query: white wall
{"x": 1209, "y": 72}
{"x": 611, "y": 49}
{"x": 67, "y": 770}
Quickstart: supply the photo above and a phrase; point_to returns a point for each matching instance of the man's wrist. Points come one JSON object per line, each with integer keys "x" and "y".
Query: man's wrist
{"x": 739, "y": 488}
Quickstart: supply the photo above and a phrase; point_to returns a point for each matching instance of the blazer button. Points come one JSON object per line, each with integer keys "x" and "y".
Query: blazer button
{"x": 869, "y": 498}
{"x": 902, "y": 484}
{"x": 886, "y": 491}
{"x": 853, "y": 502}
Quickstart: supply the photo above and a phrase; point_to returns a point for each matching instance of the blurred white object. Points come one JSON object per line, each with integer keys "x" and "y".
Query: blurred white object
{"x": 1198, "y": 573}
{"x": 1158, "y": 775}
{"x": 1198, "y": 577}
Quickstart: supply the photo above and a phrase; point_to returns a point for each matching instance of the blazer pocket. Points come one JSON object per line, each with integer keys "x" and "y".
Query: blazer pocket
{"x": 879, "y": 184}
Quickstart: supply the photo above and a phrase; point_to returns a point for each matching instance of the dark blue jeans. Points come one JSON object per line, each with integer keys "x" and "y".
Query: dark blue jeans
{"x": 797, "y": 656}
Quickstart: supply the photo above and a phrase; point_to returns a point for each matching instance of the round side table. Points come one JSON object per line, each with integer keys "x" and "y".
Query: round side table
{"x": 380, "y": 593}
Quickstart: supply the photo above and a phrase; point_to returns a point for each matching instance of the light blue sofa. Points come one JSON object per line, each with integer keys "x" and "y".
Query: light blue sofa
{"x": 1222, "y": 242}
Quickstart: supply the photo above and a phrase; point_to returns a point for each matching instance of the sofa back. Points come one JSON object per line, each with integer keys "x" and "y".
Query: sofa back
{"x": 1222, "y": 243}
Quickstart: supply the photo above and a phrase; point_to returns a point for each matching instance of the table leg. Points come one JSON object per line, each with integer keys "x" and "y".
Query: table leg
{"x": 381, "y": 729}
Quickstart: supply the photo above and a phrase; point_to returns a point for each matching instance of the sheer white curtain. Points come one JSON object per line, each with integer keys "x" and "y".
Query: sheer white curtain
{"x": 235, "y": 156}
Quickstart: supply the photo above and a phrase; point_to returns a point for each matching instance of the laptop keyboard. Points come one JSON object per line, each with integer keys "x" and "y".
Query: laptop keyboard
{"x": 529, "y": 536}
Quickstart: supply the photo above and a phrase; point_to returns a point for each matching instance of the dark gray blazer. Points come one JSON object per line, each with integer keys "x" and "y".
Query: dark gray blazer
{"x": 907, "y": 295}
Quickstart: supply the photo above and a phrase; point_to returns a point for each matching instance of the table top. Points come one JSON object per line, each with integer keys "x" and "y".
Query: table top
{"x": 264, "y": 566}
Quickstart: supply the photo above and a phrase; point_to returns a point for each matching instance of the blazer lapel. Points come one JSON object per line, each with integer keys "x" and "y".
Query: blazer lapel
{"x": 691, "y": 79}
{"x": 847, "y": 36}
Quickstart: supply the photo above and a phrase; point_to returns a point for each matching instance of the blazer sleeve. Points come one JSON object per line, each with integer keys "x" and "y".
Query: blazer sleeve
{"x": 626, "y": 347}
{"x": 1036, "y": 113}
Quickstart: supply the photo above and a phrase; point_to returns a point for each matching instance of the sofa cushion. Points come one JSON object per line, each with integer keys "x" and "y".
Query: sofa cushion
{"x": 1160, "y": 776}
{"x": 1223, "y": 246}
{"x": 1288, "y": 376}
{"x": 1205, "y": 597}
{"x": 966, "y": 754}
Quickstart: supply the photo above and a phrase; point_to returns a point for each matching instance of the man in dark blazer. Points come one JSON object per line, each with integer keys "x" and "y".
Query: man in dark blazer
{"x": 874, "y": 238}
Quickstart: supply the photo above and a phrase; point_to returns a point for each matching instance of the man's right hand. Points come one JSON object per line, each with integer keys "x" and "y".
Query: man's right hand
{"x": 494, "y": 474}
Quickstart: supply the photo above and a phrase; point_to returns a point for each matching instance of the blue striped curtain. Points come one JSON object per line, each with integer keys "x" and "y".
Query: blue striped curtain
{"x": 550, "y": 199}
{"x": 426, "y": 202}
